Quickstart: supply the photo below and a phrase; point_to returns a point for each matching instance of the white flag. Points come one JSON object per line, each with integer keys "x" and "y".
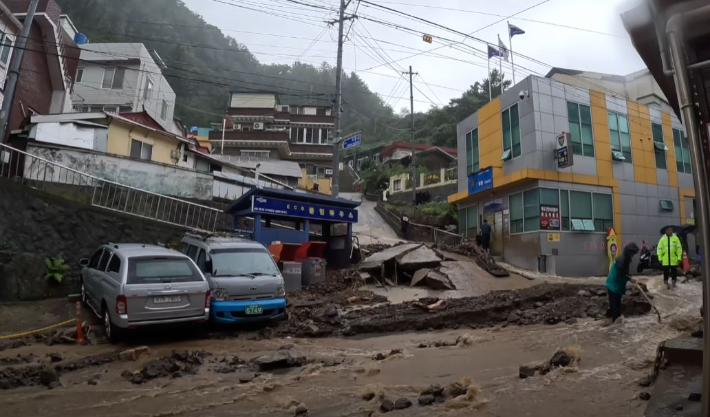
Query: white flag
{"x": 505, "y": 54}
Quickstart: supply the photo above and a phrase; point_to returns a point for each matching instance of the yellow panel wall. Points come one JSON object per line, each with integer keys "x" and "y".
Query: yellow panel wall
{"x": 642, "y": 151}
{"x": 490, "y": 137}
{"x": 600, "y": 127}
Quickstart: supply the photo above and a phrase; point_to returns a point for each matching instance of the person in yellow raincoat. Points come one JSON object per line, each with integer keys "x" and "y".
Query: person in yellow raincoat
{"x": 670, "y": 254}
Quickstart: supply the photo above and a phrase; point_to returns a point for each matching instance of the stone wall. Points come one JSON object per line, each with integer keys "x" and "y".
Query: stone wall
{"x": 34, "y": 225}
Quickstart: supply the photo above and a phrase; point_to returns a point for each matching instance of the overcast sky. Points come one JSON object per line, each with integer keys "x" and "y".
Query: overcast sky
{"x": 284, "y": 32}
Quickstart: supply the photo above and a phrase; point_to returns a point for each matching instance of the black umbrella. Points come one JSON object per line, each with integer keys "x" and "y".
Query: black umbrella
{"x": 679, "y": 230}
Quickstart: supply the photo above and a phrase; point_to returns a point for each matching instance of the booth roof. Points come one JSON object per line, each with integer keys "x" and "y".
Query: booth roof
{"x": 244, "y": 202}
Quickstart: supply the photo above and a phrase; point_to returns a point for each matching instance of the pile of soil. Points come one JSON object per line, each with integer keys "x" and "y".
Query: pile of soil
{"x": 545, "y": 303}
{"x": 45, "y": 374}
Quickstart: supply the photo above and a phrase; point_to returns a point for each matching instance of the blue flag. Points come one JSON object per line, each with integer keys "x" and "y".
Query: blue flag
{"x": 493, "y": 52}
{"x": 514, "y": 30}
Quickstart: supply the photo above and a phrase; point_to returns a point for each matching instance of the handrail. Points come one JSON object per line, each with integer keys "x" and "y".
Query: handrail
{"x": 434, "y": 230}
{"x": 105, "y": 193}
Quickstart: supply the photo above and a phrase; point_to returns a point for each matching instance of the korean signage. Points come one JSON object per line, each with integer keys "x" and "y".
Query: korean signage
{"x": 549, "y": 217}
{"x": 277, "y": 207}
{"x": 553, "y": 237}
{"x": 482, "y": 180}
{"x": 564, "y": 157}
{"x": 352, "y": 140}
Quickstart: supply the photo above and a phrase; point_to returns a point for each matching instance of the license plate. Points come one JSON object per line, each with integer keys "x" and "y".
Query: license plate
{"x": 170, "y": 299}
{"x": 253, "y": 310}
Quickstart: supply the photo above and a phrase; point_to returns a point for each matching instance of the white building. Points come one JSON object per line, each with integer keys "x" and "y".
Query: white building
{"x": 123, "y": 77}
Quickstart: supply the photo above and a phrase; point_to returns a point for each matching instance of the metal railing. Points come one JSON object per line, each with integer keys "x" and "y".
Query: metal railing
{"x": 44, "y": 175}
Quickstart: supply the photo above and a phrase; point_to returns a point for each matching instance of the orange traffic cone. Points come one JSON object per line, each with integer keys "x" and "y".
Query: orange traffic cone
{"x": 79, "y": 324}
{"x": 686, "y": 262}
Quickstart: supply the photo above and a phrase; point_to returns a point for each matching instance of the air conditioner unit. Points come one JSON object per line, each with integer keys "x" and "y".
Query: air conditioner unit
{"x": 236, "y": 127}
{"x": 258, "y": 126}
{"x": 328, "y": 172}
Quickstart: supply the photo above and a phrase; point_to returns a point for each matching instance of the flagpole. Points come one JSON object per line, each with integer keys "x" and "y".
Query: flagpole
{"x": 490, "y": 80}
{"x": 512, "y": 61}
{"x": 501, "y": 74}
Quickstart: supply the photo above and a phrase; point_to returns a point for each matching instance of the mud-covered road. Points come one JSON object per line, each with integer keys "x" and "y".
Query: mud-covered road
{"x": 352, "y": 376}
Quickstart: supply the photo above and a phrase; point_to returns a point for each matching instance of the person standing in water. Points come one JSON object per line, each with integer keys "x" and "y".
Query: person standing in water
{"x": 616, "y": 280}
{"x": 670, "y": 253}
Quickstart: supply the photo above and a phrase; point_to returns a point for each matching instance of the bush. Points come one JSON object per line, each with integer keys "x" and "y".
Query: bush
{"x": 436, "y": 213}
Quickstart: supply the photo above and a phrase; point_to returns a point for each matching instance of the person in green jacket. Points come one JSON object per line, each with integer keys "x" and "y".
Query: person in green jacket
{"x": 670, "y": 253}
{"x": 618, "y": 277}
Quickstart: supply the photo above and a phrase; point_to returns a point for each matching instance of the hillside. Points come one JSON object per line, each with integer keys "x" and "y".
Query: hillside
{"x": 204, "y": 65}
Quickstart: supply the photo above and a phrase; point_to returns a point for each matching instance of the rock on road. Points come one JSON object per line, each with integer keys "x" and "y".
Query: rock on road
{"x": 371, "y": 227}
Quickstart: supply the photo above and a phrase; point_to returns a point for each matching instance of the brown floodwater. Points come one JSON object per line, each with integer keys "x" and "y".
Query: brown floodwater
{"x": 603, "y": 384}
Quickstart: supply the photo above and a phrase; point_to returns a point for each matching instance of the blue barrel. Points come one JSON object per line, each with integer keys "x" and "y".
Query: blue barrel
{"x": 80, "y": 39}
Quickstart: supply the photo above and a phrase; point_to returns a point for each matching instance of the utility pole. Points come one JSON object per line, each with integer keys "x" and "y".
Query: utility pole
{"x": 14, "y": 73}
{"x": 412, "y": 163}
{"x": 335, "y": 188}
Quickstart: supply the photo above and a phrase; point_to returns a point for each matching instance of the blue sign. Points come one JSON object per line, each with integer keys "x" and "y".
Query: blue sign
{"x": 277, "y": 207}
{"x": 353, "y": 140}
{"x": 482, "y": 180}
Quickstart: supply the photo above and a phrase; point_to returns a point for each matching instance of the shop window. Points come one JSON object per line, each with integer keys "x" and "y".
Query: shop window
{"x": 666, "y": 205}
{"x": 564, "y": 209}
{"x": 472, "y": 157}
{"x": 619, "y": 136}
{"x": 682, "y": 151}
{"x": 531, "y": 210}
{"x": 471, "y": 221}
{"x": 659, "y": 148}
{"x": 511, "y": 133}
{"x": 581, "y": 211}
{"x": 580, "y": 127}
{"x": 515, "y": 201}
{"x": 603, "y": 212}
{"x": 462, "y": 221}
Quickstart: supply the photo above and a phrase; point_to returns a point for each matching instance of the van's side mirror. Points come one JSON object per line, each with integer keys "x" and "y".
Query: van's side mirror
{"x": 84, "y": 262}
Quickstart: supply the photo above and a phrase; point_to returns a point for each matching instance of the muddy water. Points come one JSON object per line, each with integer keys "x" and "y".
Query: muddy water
{"x": 604, "y": 383}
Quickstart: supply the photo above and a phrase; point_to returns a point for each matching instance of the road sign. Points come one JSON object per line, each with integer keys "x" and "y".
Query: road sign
{"x": 352, "y": 140}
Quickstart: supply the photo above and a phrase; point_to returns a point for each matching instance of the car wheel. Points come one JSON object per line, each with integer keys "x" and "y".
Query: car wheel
{"x": 113, "y": 332}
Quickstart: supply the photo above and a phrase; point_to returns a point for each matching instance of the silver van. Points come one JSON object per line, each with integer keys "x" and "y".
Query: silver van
{"x": 130, "y": 285}
{"x": 245, "y": 282}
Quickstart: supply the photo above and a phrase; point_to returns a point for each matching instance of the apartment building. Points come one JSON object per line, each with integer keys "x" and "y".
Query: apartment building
{"x": 123, "y": 78}
{"x": 630, "y": 170}
{"x": 259, "y": 127}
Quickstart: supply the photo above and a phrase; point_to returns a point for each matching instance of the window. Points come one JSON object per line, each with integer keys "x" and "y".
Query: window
{"x": 191, "y": 251}
{"x": 309, "y": 135}
{"x": 6, "y": 48}
{"x": 141, "y": 150}
{"x": 164, "y": 110}
{"x": 531, "y": 210}
{"x": 472, "y": 158}
{"x": 666, "y": 205}
{"x": 682, "y": 151}
{"x": 580, "y": 127}
{"x": 256, "y": 154}
{"x": 148, "y": 90}
{"x": 79, "y": 74}
{"x": 619, "y": 135}
{"x": 118, "y": 78}
{"x": 201, "y": 260}
{"x": 397, "y": 185}
{"x": 150, "y": 270}
{"x": 515, "y": 202}
{"x": 104, "y": 260}
{"x": 603, "y": 212}
{"x": 95, "y": 258}
{"x": 659, "y": 149}
{"x": 564, "y": 209}
{"x": 471, "y": 221}
{"x": 114, "y": 264}
{"x": 511, "y": 133}
{"x": 108, "y": 77}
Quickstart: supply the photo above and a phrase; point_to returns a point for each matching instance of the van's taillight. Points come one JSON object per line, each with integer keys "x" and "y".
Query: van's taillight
{"x": 208, "y": 297}
{"x": 121, "y": 305}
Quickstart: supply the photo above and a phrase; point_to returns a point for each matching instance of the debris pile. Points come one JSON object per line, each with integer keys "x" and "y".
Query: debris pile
{"x": 566, "y": 357}
{"x": 412, "y": 263}
{"x": 180, "y": 363}
{"x": 458, "y": 394}
{"x": 481, "y": 257}
{"x": 48, "y": 373}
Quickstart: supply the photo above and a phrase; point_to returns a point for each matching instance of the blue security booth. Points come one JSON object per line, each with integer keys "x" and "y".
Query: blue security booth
{"x": 293, "y": 217}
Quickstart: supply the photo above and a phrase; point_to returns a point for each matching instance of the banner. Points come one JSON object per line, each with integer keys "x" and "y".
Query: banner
{"x": 482, "y": 180}
{"x": 277, "y": 207}
{"x": 549, "y": 217}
